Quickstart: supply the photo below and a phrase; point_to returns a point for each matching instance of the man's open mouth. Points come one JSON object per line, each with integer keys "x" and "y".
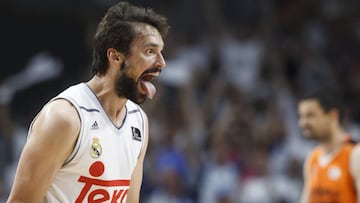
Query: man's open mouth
{"x": 145, "y": 86}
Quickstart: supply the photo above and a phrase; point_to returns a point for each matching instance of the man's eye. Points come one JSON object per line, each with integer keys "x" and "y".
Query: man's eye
{"x": 149, "y": 51}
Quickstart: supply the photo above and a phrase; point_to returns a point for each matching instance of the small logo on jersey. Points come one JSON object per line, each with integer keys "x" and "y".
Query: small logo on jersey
{"x": 334, "y": 173}
{"x": 136, "y": 135}
{"x": 95, "y": 149}
{"x": 94, "y": 126}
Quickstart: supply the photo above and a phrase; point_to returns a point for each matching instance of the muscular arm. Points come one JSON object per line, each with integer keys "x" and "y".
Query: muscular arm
{"x": 354, "y": 169}
{"x": 136, "y": 178}
{"x": 51, "y": 140}
{"x": 305, "y": 191}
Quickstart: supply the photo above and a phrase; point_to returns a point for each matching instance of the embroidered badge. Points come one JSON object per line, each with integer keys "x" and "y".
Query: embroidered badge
{"x": 95, "y": 149}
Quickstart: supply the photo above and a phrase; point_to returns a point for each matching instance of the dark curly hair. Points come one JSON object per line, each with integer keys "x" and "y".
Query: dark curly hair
{"x": 116, "y": 30}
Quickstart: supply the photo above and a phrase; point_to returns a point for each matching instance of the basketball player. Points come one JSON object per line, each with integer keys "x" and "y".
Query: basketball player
{"x": 331, "y": 171}
{"x": 88, "y": 143}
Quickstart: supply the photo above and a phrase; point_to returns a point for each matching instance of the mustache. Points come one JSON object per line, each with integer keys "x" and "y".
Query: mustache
{"x": 151, "y": 70}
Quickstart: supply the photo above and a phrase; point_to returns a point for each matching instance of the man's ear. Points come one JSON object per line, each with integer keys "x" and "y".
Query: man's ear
{"x": 114, "y": 56}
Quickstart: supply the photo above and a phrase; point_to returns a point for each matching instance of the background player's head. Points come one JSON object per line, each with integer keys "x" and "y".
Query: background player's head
{"x": 321, "y": 112}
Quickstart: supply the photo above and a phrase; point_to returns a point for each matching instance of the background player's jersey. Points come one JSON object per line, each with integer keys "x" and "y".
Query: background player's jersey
{"x": 102, "y": 162}
{"x": 332, "y": 181}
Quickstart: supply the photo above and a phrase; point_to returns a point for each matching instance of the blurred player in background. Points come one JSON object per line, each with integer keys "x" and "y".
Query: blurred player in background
{"x": 332, "y": 170}
{"x": 88, "y": 143}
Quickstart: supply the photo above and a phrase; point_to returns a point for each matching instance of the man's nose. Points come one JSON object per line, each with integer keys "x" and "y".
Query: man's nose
{"x": 160, "y": 61}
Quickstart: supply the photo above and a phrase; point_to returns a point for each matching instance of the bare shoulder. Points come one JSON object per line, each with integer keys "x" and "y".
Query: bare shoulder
{"x": 58, "y": 122}
{"x": 356, "y": 152}
{"x": 61, "y": 110}
{"x": 355, "y": 161}
{"x": 59, "y": 114}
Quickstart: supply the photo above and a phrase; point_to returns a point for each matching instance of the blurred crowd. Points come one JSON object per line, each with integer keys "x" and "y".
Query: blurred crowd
{"x": 223, "y": 124}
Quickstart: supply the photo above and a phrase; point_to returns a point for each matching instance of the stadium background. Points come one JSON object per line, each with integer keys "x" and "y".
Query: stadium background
{"x": 224, "y": 122}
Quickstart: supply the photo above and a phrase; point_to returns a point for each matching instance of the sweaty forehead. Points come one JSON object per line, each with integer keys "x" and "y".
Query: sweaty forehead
{"x": 147, "y": 34}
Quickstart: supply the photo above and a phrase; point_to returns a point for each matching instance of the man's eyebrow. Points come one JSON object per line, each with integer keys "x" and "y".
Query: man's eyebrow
{"x": 151, "y": 45}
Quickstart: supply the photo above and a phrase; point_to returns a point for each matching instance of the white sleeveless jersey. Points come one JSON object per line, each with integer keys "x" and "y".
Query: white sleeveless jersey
{"x": 103, "y": 160}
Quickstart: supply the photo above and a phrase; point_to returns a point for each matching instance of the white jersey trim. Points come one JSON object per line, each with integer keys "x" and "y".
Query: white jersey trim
{"x": 81, "y": 132}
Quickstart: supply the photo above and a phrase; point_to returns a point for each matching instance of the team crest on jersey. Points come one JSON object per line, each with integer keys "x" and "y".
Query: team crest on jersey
{"x": 136, "y": 135}
{"x": 95, "y": 149}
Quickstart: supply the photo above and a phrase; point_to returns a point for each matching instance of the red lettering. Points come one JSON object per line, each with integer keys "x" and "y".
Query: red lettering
{"x": 123, "y": 197}
{"x": 116, "y": 195}
{"x": 84, "y": 191}
{"x": 104, "y": 195}
{"x": 101, "y": 195}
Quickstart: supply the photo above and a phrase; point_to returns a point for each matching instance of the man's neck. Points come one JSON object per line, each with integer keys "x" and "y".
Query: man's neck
{"x": 338, "y": 138}
{"x": 112, "y": 104}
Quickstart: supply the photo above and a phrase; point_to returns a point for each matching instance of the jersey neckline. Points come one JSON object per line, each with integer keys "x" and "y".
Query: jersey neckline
{"x": 92, "y": 94}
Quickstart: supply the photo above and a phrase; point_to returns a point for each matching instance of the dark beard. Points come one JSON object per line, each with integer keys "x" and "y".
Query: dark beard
{"x": 126, "y": 86}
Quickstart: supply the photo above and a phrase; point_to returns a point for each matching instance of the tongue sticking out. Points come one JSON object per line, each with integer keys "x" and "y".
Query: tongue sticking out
{"x": 149, "y": 89}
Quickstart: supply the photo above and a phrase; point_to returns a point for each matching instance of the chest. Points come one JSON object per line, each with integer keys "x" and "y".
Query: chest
{"x": 115, "y": 150}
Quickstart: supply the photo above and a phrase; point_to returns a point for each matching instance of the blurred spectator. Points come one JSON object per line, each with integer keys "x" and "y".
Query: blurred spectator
{"x": 41, "y": 67}
{"x": 220, "y": 176}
